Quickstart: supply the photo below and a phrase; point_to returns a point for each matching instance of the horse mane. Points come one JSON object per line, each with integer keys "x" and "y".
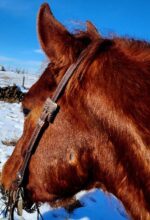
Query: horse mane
{"x": 136, "y": 49}
{"x": 127, "y": 63}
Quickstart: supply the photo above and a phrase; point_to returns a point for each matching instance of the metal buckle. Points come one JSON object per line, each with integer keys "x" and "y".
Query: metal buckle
{"x": 50, "y": 109}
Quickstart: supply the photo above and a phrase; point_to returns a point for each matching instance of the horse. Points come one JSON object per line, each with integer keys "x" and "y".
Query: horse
{"x": 101, "y": 134}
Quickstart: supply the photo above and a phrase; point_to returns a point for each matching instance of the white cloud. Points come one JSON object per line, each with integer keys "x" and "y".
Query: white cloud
{"x": 15, "y": 6}
{"x": 39, "y": 51}
{"x": 7, "y": 59}
{"x": 10, "y": 59}
{"x": 31, "y": 65}
{"x": 75, "y": 25}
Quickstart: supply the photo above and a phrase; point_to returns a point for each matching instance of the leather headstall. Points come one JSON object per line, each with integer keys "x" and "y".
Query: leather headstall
{"x": 50, "y": 109}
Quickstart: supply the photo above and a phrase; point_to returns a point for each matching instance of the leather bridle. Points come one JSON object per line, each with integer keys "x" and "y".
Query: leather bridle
{"x": 50, "y": 109}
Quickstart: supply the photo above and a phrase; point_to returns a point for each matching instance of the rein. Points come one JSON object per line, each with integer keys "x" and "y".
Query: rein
{"x": 50, "y": 110}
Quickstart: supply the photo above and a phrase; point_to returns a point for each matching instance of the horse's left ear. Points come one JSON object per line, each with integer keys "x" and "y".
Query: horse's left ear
{"x": 54, "y": 38}
{"x": 92, "y": 30}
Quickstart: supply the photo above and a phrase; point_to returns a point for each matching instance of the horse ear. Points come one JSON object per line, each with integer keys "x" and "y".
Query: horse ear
{"x": 92, "y": 30}
{"x": 55, "y": 40}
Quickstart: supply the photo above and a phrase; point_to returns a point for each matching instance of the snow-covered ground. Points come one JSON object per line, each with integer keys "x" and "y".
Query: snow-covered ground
{"x": 96, "y": 204}
{"x": 8, "y": 78}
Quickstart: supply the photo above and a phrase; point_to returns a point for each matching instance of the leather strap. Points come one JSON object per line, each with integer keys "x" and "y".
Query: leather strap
{"x": 50, "y": 110}
{"x": 67, "y": 76}
{"x": 48, "y": 114}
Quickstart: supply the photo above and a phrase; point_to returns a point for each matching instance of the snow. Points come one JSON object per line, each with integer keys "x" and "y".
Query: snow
{"x": 97, "y": 205}
{"x": 11, "y": 121}
{"x": 8, "y": 78}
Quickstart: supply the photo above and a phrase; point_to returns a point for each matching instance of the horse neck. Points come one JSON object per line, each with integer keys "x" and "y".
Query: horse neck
{"x": 120, "y": 156}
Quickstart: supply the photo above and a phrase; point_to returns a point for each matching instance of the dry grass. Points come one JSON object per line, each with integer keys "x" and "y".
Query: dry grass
{"x": 9, "y": 142}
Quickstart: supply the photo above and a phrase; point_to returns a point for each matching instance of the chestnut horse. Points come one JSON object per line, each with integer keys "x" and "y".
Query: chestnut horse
{"x": 101, "y": 135}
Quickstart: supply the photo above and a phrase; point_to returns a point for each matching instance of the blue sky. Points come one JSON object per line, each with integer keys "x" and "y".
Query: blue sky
{"x": 19, "y": 47}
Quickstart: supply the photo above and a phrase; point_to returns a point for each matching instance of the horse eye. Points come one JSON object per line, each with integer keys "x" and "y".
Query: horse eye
{"x": 26, "y": 111}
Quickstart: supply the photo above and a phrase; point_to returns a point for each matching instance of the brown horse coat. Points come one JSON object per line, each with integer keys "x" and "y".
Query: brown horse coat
{"x": 101, "y": 135}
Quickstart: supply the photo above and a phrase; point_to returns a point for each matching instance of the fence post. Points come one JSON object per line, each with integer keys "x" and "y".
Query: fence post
{"x": 23, "y": 82}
